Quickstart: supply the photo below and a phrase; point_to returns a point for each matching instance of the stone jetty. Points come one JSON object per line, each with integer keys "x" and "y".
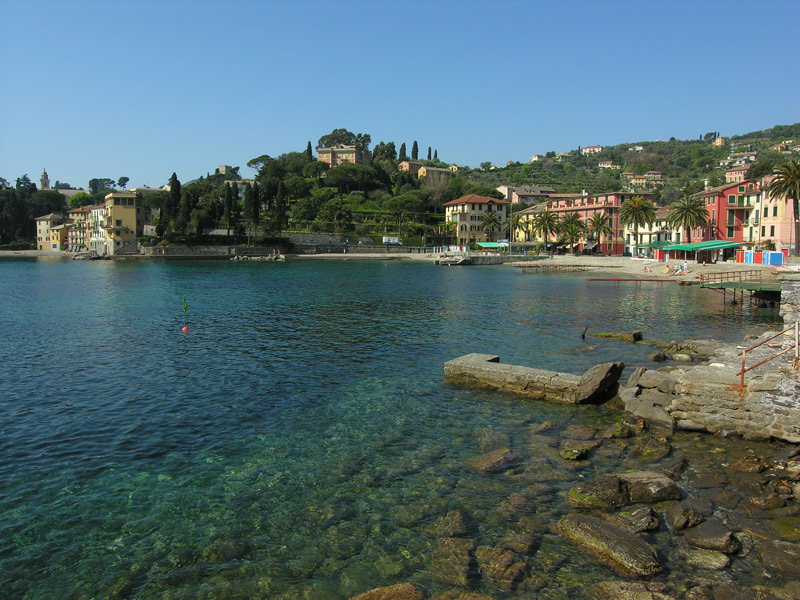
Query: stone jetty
{"x": 700, "y": 390}
{"x": 597, "y": 385}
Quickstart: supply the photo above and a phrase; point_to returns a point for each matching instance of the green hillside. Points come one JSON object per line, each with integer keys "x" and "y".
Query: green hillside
{"x": 686, "y": 164}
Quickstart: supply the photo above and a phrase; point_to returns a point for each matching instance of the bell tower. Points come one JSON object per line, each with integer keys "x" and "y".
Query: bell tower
{"x": 45, "y": 181}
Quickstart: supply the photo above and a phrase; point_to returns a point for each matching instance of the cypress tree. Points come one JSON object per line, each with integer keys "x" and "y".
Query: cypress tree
{"x": 429, "y": 152}
{"x": 414, "y": 151}
{"x": 280, "y": 208}
{"x": 174, "y": 197}
{"x": 228, "y": 206}
{"x": 309, "y": 154}
{"x": 256, "y": 216}
{"x": 435, "y": 155}
{"x": 403, "y": 155}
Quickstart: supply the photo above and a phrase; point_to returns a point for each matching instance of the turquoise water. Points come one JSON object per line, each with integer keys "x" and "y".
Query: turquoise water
{"x": 299, "y": 441}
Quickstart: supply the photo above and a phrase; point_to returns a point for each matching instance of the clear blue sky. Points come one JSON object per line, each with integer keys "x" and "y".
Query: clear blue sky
{"x": 142, "y": 89}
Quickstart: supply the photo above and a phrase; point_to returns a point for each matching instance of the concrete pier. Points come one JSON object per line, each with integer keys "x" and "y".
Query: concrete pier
{"x": 597, "y": 385}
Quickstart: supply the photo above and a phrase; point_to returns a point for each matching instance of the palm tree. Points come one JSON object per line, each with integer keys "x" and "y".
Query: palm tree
{"x": 490, "y": 221}
{"x": 572, "y": 230}
{"x": 516, "y": 223}
{"x": 636, "y": 211}
{"x": 527, "y": 226}
{"x": 786, "y": 185}
{"x": 689, "y": 213}
{"x": 599, "y": 225}
{"x": 544, "y": 224}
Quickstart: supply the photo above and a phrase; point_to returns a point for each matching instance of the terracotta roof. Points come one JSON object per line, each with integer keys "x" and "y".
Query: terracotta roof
{"x": 474, "y": 199}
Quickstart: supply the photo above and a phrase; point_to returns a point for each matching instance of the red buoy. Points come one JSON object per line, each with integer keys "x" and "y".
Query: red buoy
{"x": 185, "y": 329}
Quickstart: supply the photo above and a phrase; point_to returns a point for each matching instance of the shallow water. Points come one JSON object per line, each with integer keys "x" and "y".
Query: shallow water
{"x": 299, "y": 441}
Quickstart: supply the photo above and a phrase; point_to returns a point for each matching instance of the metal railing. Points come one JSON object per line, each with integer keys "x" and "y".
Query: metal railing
{"x": 795, "y": 347}
{"x": 748, "y": 276}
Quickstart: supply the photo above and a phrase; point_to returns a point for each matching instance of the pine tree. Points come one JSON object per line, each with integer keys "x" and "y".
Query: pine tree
{"x": 403, "y": 155}
{"x": 429, "y": 152}
{"x": 414, "y": 151}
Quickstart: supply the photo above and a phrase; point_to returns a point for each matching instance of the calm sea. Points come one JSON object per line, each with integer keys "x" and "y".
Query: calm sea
{"x": 299, "y": 441}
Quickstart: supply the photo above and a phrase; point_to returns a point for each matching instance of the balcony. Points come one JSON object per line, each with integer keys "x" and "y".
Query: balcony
{"x": 747, "y": 204}
{"x": 119, "y": 227}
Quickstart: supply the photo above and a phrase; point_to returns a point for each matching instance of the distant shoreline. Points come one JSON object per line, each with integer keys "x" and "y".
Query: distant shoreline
{"x": 617, "y": 264}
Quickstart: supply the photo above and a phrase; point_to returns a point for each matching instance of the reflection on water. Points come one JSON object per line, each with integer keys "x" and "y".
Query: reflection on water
{"x": 299, "y": 441}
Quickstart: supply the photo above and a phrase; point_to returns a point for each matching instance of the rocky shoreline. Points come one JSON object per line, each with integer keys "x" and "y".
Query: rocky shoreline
{"x": 681, "y": 515}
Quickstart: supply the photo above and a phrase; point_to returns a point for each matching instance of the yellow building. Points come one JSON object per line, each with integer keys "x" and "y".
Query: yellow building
{"x": 123, "y": 222}
{"x": 466, "y": 215}
{"x": 47, "y": 236}
{"x": 434, "y": 175}
{"x": 77, "y": 229}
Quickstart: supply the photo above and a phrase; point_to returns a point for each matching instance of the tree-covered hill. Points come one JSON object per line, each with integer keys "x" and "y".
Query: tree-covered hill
{"x": 686, "y": 164}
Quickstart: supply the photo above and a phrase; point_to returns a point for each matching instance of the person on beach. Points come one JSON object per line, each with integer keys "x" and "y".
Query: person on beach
{"x": 685, "y": 267}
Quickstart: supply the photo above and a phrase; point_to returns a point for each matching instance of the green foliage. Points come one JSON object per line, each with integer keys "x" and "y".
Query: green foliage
{"x": 689, "y": 213}
{"x": 786, "y": 185}
{"x": 342, "y": 136}
{"x": 101, "y": 186}
{"x": 81, "y": 199}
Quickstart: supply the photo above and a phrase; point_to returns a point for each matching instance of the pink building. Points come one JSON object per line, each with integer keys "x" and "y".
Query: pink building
{"x": 585, "y": 206}
{"x": 736, "y": 174}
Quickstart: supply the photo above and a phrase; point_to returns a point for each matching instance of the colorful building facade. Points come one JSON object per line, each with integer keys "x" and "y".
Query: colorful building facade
{"x": 466, "y": 216}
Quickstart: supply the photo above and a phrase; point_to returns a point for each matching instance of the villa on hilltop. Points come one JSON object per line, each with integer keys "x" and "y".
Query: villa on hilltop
{"x": 341, "y": 153}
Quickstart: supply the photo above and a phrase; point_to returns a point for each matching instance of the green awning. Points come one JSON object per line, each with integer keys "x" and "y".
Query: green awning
{"x": 707, "y": 245}
{"x": 492, "y": 244}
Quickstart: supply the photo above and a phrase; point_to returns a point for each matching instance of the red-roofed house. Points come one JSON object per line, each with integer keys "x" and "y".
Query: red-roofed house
{"x": 736, "y": 174}
{"x": 591, "y": 150}
{"x": 467, "y": 214}
{"x": 729, "y": 207}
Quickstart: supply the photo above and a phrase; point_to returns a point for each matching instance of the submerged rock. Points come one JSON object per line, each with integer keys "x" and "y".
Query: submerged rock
{"x": 621, "y": 550}
{"x": 576, "y": 449}
{"x": 681, "y": 516}
{"x": 500, "y": 566}
{"x": 453, "y": 561}
{"x": 495, "y": 461}
{"x": 614, "y": 491}
{"x": 401, "y": 591}
{"x": 780, "y": 556}
{"x": 711, "y": 560}
{"x": 712, "y": 535}
{"x": 637, "y": 520}
{"x": 603, "y": 492}
{"x": 628, "y": 590}
{"x": 453, "y": 524}
{"x": 648, "y": 486}
{"x": 649, "y": 449}
{"x": 579, "y": 432}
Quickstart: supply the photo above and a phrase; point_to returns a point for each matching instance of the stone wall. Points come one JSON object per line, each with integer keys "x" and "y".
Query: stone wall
{"x": 709, "y": 397}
